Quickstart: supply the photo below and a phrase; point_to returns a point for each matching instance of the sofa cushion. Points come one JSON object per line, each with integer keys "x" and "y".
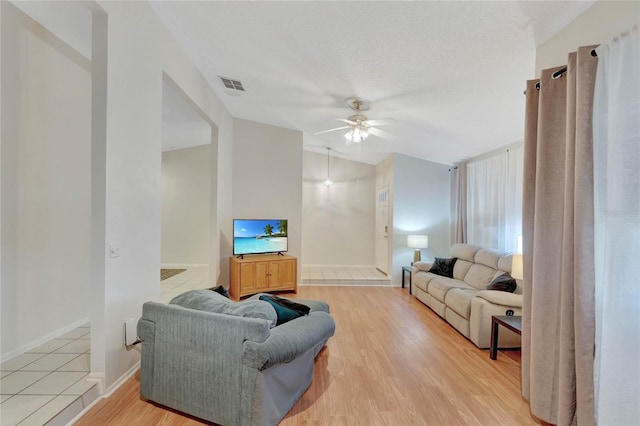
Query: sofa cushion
{"x": 503, "y": 282}
{"x": 464, "y": 251}
{"x": 443, "y": 267}
{"x": 421, "y": 280}
{"x": 461, "y": 268}
{"x": 504, "y": 264}
{"x": 211, "y": 301}
{"x": 439, "y": 286}
{"x": 459, "y": 300}
{"x": 488, "y": 258}
{"x": 479, "y": 276}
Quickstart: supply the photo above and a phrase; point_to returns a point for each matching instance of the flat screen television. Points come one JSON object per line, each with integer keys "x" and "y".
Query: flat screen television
{"x": 259, "y": 236}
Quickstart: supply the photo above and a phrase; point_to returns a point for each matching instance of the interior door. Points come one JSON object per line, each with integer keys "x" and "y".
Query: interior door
{"x": 382, "y": 229}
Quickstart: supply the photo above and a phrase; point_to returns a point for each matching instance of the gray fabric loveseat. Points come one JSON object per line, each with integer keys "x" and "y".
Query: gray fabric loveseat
{"x": 224, "y": 361}
{"x": 463, "y": 300}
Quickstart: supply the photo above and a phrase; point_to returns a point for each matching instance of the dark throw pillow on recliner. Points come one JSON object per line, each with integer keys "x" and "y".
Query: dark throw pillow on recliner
{"x": 503, "y": 282}
{"x": 221, "y": 290}
{"x": 443, "y": 267}
{"x": 286, "y": 310}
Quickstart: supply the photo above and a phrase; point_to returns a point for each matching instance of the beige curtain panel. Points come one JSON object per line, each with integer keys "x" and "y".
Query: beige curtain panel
{"x": 558, "y": 303}
{"x": 458, "y": 203}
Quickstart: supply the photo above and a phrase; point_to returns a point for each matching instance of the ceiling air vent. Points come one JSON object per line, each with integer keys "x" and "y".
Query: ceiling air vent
{"x": 232, "y": 84}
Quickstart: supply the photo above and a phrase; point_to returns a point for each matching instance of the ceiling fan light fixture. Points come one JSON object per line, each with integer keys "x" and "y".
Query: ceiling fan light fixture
{"x": 357, "y": 134}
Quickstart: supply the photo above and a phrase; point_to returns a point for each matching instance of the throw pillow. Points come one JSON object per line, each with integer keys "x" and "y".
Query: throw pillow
{"x": 443, "y": 267}
{"x": 286, "y": 310}
{"x": 503, "y": 282}
{"x": 221, "y": 290}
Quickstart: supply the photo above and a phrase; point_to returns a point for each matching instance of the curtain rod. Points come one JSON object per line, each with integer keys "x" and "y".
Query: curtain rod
{"x": 561, "y": 71}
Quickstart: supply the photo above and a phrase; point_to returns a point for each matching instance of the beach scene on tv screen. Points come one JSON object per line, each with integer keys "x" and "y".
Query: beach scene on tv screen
{"x": 259, "y": 236}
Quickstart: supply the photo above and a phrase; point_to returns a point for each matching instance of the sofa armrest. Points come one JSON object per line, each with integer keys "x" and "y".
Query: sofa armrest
{"x": 421, "y": 266}
{"x": 486, "y": 304}
{"x": 289, "y": 340}
{"x": 501, "y": 298}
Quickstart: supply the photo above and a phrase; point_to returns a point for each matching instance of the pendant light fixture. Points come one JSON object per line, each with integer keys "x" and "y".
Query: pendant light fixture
{"x": 328, "y": 182}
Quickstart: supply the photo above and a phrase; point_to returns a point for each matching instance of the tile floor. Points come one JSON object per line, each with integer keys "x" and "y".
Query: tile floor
{"x": 193, "y": 278}
{"x": 198, "y": 277}
{"x": 343, "y": 275}
{"x": 47, "y": 385}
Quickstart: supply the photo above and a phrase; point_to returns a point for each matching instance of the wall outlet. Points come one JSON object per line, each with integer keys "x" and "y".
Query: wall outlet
{"x": 130, "y": 331}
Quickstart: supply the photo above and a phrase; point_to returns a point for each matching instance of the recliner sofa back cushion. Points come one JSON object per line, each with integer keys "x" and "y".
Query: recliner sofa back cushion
{"x": 488, "y": 258}
{"x": 465, "y": 254}
{"x": 211, "y": 301}
{"x": 461, "y": 268}
{"x": 479, "y": 276}
{"x": 464, "y": 251}
{"x": 504, "y": 264}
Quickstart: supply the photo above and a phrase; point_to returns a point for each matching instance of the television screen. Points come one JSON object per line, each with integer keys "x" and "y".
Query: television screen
{"x": 252, "y": 236}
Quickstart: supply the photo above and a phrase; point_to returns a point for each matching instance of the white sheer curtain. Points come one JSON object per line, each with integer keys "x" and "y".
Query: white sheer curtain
{"x": 494, "y": 200}
{"x": 616, "y": 148}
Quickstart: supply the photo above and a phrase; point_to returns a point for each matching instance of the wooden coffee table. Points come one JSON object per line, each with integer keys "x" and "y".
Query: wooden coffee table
{"x": 513, "y": 323}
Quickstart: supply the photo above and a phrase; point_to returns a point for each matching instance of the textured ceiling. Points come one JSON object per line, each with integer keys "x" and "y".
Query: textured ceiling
{"x": 450, "y": 74}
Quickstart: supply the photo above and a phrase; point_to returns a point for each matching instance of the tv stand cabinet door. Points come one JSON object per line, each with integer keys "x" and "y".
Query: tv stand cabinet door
{"x": 248, "y": 278}
{"x": 274, "y": 274}
{"x": 262, "y": 276}
{"x": 288, "y": 274}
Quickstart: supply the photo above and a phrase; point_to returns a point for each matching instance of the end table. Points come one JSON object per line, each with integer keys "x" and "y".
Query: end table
{"x": 406, "y": 269}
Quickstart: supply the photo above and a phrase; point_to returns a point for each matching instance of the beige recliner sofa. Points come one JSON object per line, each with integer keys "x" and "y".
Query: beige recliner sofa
{"x": 463, "y": 301}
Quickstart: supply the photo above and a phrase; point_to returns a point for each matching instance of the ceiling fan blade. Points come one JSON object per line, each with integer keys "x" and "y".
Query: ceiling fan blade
{"x": 353, "y": 123}
{"x": 381, "y": 133}
{"x": 331, "y": 130}
{"x": 379, "y": 122}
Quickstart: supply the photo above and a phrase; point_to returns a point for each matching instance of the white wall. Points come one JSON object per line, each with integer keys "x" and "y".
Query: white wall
{"x": 337, "y": 222}
{"x": 421, "y": 193}
{"x": 131, "y": 52}
{"x": 599, "y": 24}
{"x": 186, "y": 191}
{"x": 45, "y": 144}
{"x": 267, "y": 178}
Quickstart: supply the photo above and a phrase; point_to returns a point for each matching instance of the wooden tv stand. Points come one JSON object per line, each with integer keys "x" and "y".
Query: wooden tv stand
{"x": 262, "y": 273}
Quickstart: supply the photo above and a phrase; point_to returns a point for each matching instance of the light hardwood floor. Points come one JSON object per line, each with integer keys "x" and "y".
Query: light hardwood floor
{"x": 392, "y": 361}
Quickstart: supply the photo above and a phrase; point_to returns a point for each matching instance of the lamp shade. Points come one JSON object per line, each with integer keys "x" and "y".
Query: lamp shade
{"x": 418, "y": 241}
{"x": 516, "y": 267}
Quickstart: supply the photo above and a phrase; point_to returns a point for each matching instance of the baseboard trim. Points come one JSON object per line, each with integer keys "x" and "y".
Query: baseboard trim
{"x": 181, "y": 265}
{"x": 42, "y": 340}
{"x": 99, "y": 379}
{"x": 344, "y": 285}
{"x": 126, "y": 376}
{"x": 336, "y": 266}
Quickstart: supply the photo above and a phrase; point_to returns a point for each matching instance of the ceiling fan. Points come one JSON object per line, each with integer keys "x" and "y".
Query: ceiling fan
{"x": 359, "y": 127}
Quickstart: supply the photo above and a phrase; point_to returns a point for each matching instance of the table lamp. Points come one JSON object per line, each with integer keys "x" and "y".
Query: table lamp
{"x": 516, "y": 267}
{"x": 417, "y": 242}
